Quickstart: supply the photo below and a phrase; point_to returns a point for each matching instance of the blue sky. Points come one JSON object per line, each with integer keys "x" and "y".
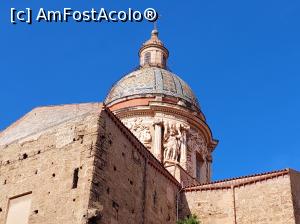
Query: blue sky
{"x": 241, "y": 58}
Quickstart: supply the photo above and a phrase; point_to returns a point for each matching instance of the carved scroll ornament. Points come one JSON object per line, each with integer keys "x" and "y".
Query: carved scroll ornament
{"x": 140, "y": 129}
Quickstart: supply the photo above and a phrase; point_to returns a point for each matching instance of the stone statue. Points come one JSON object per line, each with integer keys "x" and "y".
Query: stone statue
{"x": 173, "y": 141}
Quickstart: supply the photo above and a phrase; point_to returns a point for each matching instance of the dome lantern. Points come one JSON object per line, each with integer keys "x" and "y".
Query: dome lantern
{"x": 153, "y": 52}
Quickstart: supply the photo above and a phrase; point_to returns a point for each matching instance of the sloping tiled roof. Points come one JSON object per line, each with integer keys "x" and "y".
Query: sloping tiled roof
{"x": 238, "y": 181}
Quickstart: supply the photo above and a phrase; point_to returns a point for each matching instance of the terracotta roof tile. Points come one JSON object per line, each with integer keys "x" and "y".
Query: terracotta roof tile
{"x": 237, "y": 181}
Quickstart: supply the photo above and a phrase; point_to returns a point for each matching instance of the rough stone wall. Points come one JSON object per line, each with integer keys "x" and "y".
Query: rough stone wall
{"x": 119, "y": 181}
{"x": 160, "y": 198}
{"x": 211, "y": 206}
{"x": 266, "y": 201}
{"x": 129, "y": 184}
{"x": 44, "y": 164}
{"x": 295, "y": 183}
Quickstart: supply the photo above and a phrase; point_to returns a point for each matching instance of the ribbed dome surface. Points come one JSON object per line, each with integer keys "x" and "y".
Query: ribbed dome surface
{"x": 151, "y": 81}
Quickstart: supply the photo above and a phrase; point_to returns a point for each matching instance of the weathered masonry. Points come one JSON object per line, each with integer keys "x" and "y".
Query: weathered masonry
{"x": 79, "y": 164}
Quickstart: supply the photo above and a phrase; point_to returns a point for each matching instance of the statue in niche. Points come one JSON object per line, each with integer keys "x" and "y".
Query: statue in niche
{"x": 173, "y": 140}
{"x": 140, "y": 130}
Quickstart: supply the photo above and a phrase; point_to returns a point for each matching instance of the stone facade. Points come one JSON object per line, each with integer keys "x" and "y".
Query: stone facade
{"x": 85, "y": 166}
{"x": 118, "y": 179}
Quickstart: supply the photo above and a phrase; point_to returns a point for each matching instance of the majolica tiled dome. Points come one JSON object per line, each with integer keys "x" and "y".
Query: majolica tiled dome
{"x": 151, "y": 81}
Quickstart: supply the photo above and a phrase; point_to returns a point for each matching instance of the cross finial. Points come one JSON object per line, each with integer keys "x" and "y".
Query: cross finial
{"x": 155, "y": 23}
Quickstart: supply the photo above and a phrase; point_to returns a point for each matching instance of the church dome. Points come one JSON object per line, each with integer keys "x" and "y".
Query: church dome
{"x": 163, "y": 113}
{"x": 150, "y": 82}
{"x": 153, "y": 79}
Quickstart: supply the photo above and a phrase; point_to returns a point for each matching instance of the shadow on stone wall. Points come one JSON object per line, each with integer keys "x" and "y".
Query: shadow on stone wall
{"x": 183, "y": 208}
